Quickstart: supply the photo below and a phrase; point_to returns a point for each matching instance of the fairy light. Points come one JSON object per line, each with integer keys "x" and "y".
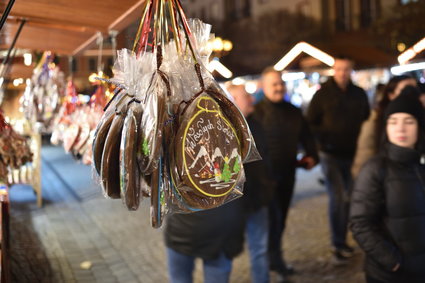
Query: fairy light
{"x": 216, "y": 65}
{"x": 227, "y": 45}
{"x": 293, "y": 76}
{"x": 398, "y": 70}
{"x": 17, "y": 82}
{"x": 218, "y": 44}
{"x": 238, "y": 81}
{"x": 410, "y": 53}
{"x": 94, "y": 77}
{"x": 251, "y": 87}
{"x": 306, "y": 48}
{"x": 27, "y": 59}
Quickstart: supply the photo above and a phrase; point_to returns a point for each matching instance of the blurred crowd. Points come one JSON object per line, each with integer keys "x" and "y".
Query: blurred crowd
{"x": 373, "y": 162}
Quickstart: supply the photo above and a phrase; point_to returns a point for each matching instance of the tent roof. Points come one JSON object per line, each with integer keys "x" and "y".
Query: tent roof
{"x": 66, "y": 26}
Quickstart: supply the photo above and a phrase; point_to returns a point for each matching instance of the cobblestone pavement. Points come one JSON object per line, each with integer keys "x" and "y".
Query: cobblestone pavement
{"x": 78, "y": 236}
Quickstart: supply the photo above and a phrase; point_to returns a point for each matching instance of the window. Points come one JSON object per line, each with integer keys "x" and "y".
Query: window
{"x": 204, "y": 14}
{"x": 110, "y": 62}
{"x": 92, "y": 65}
{"x": 342, "y": 22}
{"x": 246, "y": 8}
{"x": 370, "y": 10}
{"x": 74, "y": 65}
{"x": 215, "y": 12}
{"x": 231, "y": 11}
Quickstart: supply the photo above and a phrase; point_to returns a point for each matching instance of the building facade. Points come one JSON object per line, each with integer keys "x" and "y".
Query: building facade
{"x": 335, "y": 15}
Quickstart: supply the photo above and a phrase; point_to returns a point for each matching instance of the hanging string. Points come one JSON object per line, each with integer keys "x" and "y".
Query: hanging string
{"x": 113, "y": 34}
{"x": 175, "y": 26}
{"x": 99, "y": 54}
{"x": 146, "y": 7}
{"x": 70, "y": 66}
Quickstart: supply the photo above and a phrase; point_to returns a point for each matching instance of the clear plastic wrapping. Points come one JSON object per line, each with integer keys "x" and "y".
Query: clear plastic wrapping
{"x": 206, "y": 156}
{"x": 14, "y": 149}
{"x": 129, "y": 171}
{"x": 171, "y": 133}
{"x": 151, "y": 125}
{"x": 43, "y": 96}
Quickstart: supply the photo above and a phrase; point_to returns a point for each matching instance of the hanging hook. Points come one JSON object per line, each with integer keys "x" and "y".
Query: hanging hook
{"x": 71, "y": 65}
{"x": 99, "y": 42}
{"x": 113, "y": 34}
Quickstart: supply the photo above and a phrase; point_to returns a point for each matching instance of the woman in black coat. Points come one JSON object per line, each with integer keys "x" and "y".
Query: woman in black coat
{"x": 387, "y": 214}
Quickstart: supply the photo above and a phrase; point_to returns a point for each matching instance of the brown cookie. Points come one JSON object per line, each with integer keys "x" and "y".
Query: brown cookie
{"x": 152, "y": 123}
{"x": 99, "y": 140}
{"x": 110, "y": 171}
{"x": 156, "y": 187}
{"x": 129, "y": 170}
{"x": 103, "y": 127}
{"x": 236, "y": 118}
{"x": 206, "y": 155}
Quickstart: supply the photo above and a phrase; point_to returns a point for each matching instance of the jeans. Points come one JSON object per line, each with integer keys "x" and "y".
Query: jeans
{"x": 338, "y": 181}
{"x": 180, "y": 268}
{"x": 278, "y": 212}
{"x": 257, "y": 232}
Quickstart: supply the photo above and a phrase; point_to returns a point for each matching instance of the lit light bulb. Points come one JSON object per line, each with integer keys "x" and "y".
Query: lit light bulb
{"x": 227, "y": 45}
{"x": 218, "y": 44}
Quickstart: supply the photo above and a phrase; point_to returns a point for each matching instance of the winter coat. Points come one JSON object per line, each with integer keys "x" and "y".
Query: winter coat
{"x": 335, "y": 117}
{"x": 387, "y": 215}
{"x": 366, "y": 143}
{"x": 285, "y": 129}
{"x": 207, "y": 234}
{"x": 259, "y": 186}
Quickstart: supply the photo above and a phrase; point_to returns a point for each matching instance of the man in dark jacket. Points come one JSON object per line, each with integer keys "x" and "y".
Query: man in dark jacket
{"x": 258, "y": 190}
{"x": 335, "y": 115}
{"x": 285, "y": 129}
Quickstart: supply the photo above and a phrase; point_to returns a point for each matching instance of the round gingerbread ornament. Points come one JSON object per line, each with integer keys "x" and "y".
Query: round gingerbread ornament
{"x": 208, "y": 154}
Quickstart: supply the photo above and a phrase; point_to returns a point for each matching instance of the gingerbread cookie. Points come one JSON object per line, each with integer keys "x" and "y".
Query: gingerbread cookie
{"x": 151, "y": 126}
{"x": 236, "y": 118}
{"x": 129, "y": 170}
{"x": 99, "y": 140}
{"x": 157, "y": 208}
{"x": 103, "y": 127}
{"x": 109, "y": 171}
{"x": 207, "y": 155}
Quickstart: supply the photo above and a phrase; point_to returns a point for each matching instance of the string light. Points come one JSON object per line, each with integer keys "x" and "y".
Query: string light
{"x": 410, "y": 53}
{"x": 216, "y": 65}
{"x": 306, "y": 48}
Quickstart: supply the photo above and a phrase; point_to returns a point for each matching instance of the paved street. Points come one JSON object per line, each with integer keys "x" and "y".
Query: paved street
{"x": 79, "y": 236}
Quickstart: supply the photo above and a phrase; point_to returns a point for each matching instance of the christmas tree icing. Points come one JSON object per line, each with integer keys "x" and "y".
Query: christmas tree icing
{"x": 145, "y": 147}
{"x": 226, "y": 174}
{"x": 236, "y": 166}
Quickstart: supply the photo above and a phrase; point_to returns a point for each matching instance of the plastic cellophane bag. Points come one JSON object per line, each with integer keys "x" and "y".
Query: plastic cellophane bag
{"x": 170, "y": 133}
{"x": 14, "y": 149}
{"x": 43, "y": 96}
{"x": 76, "y": 122}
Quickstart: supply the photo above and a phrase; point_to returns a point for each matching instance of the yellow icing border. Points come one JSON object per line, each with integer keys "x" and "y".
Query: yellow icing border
{"x": 184, "y": 142}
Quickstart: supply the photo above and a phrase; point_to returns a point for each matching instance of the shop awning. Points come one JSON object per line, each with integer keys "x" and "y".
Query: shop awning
{"x": 66, "y": 26}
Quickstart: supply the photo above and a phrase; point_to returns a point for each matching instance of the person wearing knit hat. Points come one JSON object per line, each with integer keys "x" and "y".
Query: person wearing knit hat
{"x": 407, "y": 102}
{"x": 421, "y": 87}
{"x": 387, "y": 215}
